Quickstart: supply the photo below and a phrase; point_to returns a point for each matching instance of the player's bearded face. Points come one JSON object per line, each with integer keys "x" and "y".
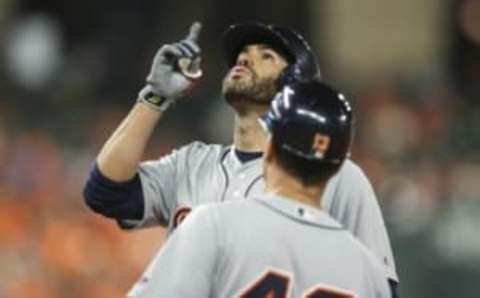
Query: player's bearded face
{"x": 252, "y": 88}
{"x": 254, "y": 76}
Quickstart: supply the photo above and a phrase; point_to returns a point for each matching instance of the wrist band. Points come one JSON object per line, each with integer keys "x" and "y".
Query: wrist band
{"x": 155, "y": 101}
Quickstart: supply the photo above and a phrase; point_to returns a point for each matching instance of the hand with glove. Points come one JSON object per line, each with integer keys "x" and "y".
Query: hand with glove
{"x": 174, "y": 70}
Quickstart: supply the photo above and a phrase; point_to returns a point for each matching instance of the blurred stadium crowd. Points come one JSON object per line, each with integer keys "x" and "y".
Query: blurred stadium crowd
{"x": 64, "y": 89}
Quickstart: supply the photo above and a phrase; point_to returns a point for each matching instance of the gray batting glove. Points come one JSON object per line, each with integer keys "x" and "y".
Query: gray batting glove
{"x": 171, "y": 74}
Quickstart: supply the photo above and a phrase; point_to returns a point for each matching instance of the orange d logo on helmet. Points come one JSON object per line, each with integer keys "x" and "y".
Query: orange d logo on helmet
{"x": 320, "y": 145}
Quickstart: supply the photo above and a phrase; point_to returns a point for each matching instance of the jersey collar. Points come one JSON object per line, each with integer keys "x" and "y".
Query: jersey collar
{"x": 237, "y": 163}
{"x": 298, "y": 211}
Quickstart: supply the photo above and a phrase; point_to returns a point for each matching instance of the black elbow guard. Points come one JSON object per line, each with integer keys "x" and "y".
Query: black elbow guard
{"x": 118, "y": 200}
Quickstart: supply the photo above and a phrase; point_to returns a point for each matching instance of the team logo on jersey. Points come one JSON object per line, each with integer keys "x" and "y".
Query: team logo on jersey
{"x": 179, "y": 215}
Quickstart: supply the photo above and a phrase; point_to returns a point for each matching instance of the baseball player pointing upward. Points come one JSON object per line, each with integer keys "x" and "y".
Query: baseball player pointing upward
{"x": 279, "y": 244}
{"x": 262, "y": 59}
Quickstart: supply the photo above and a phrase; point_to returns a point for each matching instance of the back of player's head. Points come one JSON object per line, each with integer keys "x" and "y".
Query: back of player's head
{"x": 287, "y": 42}
{"x": 311, "y": 128}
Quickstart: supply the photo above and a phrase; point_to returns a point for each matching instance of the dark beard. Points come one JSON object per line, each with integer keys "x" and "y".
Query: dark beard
{"x": 257, "y": 90}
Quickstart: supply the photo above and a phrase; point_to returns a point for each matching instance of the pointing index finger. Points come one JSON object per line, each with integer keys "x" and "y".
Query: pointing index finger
{"x": 194, "y": 31}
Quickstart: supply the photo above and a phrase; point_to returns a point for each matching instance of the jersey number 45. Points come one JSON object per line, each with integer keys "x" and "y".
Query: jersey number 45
{"x": 275, "y": 284}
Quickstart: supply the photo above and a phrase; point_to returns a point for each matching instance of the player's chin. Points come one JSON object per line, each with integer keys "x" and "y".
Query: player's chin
{"x": 235, "y": 87}
{"x": 246, "y": 93}
{"x": 239, "y": 98}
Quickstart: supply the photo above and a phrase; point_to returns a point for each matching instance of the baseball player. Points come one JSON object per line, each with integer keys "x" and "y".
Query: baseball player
{"x": 278, "y": 244}
{"x": 262, "y": 58}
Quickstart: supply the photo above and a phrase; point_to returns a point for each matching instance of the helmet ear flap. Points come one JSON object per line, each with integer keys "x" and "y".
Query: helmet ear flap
{"x": 290, "y": 75}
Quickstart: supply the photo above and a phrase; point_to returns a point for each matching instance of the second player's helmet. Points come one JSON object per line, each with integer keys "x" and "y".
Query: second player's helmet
{"x": 302, "y": 113}
{"x": 302, "y": 62}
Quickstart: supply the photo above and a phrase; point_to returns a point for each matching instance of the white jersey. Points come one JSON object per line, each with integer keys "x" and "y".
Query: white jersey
{"x": 198, "y": 174}
{"x": 262, "y": 247}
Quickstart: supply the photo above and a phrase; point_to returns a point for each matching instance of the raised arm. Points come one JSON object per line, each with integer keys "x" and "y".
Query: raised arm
{"x": 113, "y": 187}
{"x": 121, "y": 154}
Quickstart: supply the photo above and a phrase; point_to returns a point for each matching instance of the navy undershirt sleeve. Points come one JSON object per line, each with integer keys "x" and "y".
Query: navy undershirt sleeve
{"x": 118, "y": 200}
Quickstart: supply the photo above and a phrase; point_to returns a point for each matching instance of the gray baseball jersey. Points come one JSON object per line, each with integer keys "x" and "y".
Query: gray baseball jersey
{"x": 262, "y": 247}
{"x": 198, "y": 173}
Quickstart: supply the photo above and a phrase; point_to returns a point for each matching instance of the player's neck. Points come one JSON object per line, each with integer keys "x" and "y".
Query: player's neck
{"x": 248, "y": 135}
{"x": 282, "y": 184}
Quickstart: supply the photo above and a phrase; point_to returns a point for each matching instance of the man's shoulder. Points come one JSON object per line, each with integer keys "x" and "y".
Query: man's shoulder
{"x": 198, "y": 147}
{"x": 229, "y": 205}
{"x": 192, "y": 155}
{"x": 350, "y": 179}
{"x": 220, "y": 215}
{"x": 197, "y": 150}
{"x": 228, "y": 210}
{"x": 350, "y": 170}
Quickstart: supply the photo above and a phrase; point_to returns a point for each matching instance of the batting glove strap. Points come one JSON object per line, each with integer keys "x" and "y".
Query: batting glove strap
{"x": 155, "y": 101}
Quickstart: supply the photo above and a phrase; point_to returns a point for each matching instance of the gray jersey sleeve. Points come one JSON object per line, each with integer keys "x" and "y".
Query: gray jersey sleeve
{"x": 185, "y": 266}
{"x": 161, "y": 180}
{"x": 349, "y": 198}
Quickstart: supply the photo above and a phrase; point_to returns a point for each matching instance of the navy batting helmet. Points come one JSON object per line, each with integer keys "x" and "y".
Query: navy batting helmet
{"x": 311, "y": 121}
{"x": 302, "y": 62}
